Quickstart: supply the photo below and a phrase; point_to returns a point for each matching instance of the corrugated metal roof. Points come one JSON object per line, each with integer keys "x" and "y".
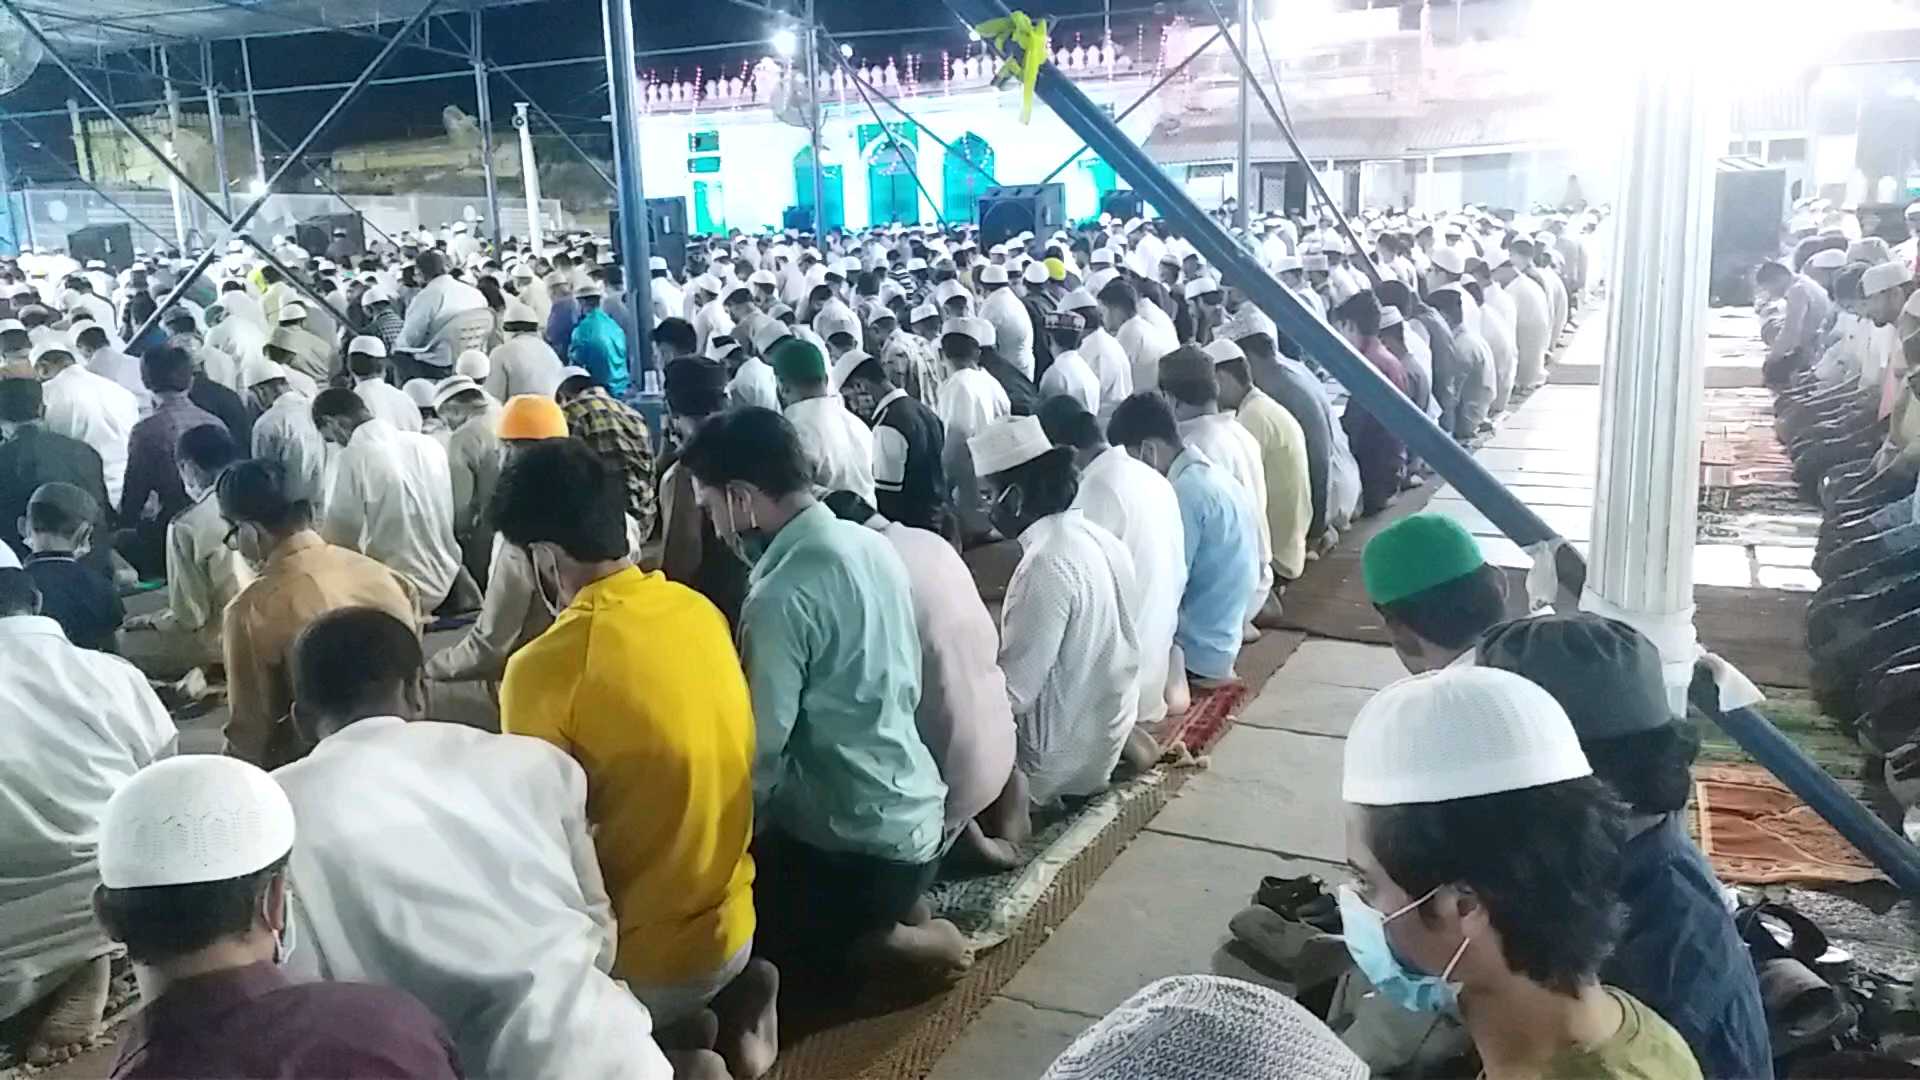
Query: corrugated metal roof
{"x": 1488, "y": 124}
{"x": 94, "y": 25}
{"x": 1188, "y": 142}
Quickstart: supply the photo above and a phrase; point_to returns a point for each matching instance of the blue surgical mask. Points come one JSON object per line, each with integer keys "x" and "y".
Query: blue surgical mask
{"x": 1365, "y": 930}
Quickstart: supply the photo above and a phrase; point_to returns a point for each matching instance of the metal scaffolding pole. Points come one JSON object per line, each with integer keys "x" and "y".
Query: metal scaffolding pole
{"x": 1243, "y": 171}
{"x": 1170, "y": 74}
{"x": 173, "y": 147}
{"x": 623, "y": 87}
{"x": 812, "y": 44}
{"x": 253, "y": 116}
{"x": 484, "y": 102}
{"x": 236, "y": 225}
{"x": 82, "y": 159}
{"x": 529, "y": 178}
{"x": 1239, "y": 268}
{"x": 12, "y": 238}
{"x": 218, "y": 127}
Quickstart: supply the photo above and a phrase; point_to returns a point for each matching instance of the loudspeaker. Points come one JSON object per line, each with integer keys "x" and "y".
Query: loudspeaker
{"x": 1124, "y": 204}
{"x": 111, "y": 244}
{"x": 319, "y": 229}
{"x": 1035, "y": 208}
{"x": 666, "y": 231}
{"x": 1747, "y": 204}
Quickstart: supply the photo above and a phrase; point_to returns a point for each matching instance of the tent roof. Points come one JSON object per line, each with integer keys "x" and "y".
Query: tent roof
{"x": 113, "y": 25}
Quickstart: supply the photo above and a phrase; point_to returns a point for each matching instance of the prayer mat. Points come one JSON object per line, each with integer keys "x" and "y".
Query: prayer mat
{"x": 1756, "y": 832}
{"x": 1208, "y": 718}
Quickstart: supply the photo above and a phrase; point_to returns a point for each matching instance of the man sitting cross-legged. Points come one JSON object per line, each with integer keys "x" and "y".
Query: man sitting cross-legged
{"x": 849, "y": 800}
{"x": 452, "y": 863}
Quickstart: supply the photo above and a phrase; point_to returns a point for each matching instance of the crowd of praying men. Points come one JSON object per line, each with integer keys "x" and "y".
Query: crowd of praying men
{"x": 752, "y": 700}
{"x": 1842, "y": 328}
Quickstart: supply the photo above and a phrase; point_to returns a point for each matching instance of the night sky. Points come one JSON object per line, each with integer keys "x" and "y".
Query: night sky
{"x": 575, "y": 95}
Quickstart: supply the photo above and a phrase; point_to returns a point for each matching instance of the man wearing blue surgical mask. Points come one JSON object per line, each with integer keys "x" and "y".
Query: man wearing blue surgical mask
{"x": 849, "y": 800}
{"x": 1486, "y": 857}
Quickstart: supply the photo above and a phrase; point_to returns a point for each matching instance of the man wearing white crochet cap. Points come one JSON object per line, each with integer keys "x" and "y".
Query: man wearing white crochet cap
{"x": 193, "y": 880}
{"x": 1068, "y": 640}
{"x": 1486, "y": 857}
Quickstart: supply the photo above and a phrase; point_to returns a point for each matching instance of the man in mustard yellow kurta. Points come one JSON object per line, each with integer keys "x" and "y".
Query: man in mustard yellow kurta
{"x": 638, "y": 680}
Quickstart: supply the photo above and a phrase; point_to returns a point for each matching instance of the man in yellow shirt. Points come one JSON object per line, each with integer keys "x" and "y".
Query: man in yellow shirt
{"x": 638, "y": 680}
{"x": 1283, "y": 457}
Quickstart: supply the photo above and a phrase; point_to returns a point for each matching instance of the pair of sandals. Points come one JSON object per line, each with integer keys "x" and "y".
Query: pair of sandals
{"x": 1292, "y": 933}
{"x": 1803, "y": 1009}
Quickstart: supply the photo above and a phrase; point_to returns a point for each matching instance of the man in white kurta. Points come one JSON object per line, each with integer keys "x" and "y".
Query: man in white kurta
{"x": 456, "y": 865}
{"x": 1069, "y": 646}
{"x": 76, "y": 725}
{"x": 390, "y": 498}
{"x": 1137, "y": 505}
{"x": 1532, "y": 320}
{"x": 1142, "y": 338}
{"x": 1102, "y": 352}
{"x": 285, "y": 432}
{"x": 524, "y": 363}
{"x": 92, "y": 408}
{"x": 836, "y": 445}
{"x": 367, "y": 362}
{"x": 1012, "y": 325}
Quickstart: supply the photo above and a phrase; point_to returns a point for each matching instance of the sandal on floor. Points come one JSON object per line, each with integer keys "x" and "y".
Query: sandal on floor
{"x": 1302, "y": 899}
{"x": 1803, "y": 1009}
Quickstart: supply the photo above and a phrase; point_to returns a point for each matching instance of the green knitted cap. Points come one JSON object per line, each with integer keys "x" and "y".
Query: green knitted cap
{"x": 1415, "y": 554}
{"x": 796, "y": 360}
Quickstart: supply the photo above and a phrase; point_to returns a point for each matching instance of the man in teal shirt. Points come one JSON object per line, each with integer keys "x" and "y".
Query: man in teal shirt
{"x": 598, "y": 343}
{"x": 848, "y": 801}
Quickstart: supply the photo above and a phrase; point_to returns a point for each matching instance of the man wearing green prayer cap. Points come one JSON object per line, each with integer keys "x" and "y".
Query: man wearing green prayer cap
{"x": 837, "y": 445}
{"x": 1426, "y": 577}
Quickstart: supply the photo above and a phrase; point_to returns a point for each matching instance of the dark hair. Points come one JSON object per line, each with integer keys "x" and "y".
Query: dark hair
{"x": 1453, "y": 614}
{"x": 1474, "y": 290}
{"x": 748, "y": 445}
{"x": 364, "y": 365}
{"x": 1141, "y": 417}
{"x": 1544, "y": 860}
{"x": 1846, "y": 284}
{"x": 1049, "y": 482}
{"x": 161, "y": 922}
{"x": 208, "y": 447}
{"x": 678, "y": 335}
{"x": 848, "y": 506}
{"x": 431, "y": 263}
{"x": 63, "y": 510}
{"x": 1652, "y": 771}
{"x": 1362, "y": 309}
{"x": 18, "y": 594}
{"x": 339, "y": 402}
{"x": 182, "y": 322}
{"x": 350, "y": 657}
{"x": 572, "y": 386}
{"x": 1772, "y": 270}
{"x": 1120, "y": 293}
{"x": 1394, "y": 294}
{"x": 840, "y": 339}
{"x": 695, "y": 387}
{"x": 1447, "y": 303}
{"x": 959, "y": 347}
{"x": 1186, "y": 374}
{"x": 1068, "y": 423}
{"x": 1238, "y": 369}
{"x": 255, "y": 491}
{"x": 21, "y": 400}
{"x": 168, "y": 368}
{"x": 1257, "y": 344}
{"x": 869, "y": 371}
{"x": 561, "y": 491}
{"x": 614, "y": 276}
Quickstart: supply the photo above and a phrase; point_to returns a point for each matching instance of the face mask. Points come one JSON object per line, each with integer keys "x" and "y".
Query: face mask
{"x": 747, "y": 544}
{"x": 1004, "y": 519}
{"x": 1365, "y": 930}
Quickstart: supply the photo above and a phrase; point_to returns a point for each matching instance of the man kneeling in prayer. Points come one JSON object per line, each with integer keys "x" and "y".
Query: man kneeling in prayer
{"x": 1068, "y": 645}
{"x": 455, "y": 864}
{"x": 964, "y": 717}
{"x": 848, "y": 802}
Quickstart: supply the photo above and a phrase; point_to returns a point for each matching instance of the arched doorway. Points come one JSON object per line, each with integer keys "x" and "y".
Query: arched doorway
{"x": 962, "y": 184}
{"x": 834, "y": 213}
{"x": 892, "y": 196}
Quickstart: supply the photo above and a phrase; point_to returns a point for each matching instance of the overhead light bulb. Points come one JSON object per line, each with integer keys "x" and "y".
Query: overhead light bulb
{"x": 785, "y": 42}
{"x": 846, "y": 51}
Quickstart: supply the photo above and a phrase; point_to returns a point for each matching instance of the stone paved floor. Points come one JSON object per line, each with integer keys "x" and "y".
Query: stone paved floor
{"x": 1269, "y": 805}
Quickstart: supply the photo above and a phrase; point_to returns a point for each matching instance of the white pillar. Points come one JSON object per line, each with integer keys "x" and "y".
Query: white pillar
{"x": 530, "y": 176}
{"x": 1653, "y": 378}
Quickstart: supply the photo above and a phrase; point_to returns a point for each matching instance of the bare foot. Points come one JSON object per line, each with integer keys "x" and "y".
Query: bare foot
{"x": 697, "y": 1065}
{"x": 933, "y": 954}
{"x": 74, "y": 1019}
{"x": 749, "y": 1021}
{"x": 1138, "y": 755}
{"x": 919, "y": 914}
{"x": 975, "y": 850}
{"x": 696, "y": 1032}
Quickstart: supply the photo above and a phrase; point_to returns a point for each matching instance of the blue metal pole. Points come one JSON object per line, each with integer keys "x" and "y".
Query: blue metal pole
{"x": 1239, "y": 268}
{"x": 623, "y": 86}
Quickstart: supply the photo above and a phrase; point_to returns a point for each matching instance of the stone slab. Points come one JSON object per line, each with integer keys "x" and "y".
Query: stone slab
{"x": 1009, "y": 1040}
{"x": 1343, "y": 663}
{"x": 1160, "y": 909}
{"x": 1309, "y": 707}
{"x": 1278, "y": 791}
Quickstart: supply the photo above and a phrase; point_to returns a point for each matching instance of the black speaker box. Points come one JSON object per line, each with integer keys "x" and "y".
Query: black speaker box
{"x": 1035, "y": 208}
{"x": 111, "y": 244}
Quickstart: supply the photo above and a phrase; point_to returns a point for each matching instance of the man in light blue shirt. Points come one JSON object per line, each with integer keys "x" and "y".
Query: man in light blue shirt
{"x": 848, "y": 801}
{"x": 1223, "y": 547}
